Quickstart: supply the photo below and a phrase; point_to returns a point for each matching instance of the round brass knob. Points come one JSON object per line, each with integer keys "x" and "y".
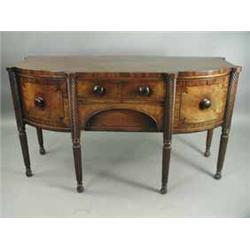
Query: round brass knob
{"x": 39, "y": 102}
{"x": 98, "y": 90}
{"x": 144, "y": 90}
{"x": 205, "y": 103}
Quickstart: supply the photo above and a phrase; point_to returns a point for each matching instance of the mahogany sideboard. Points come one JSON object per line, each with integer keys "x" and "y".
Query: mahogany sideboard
{"x": 124, "y": 93}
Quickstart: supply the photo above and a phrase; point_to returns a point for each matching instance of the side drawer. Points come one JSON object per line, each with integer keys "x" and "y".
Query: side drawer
{"x": 42, "y": 100}
{"x": 203, "y": 103}
{"x": 200, "y": 103}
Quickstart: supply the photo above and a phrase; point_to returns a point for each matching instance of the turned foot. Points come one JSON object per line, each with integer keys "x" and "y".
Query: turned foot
{"x": 217, "y": 176}
{"x": 207, "y": 153}
{"x": 28, "y": 173}
{"x": 42, "y": 151}
{"x": 80, "y": 188}
{"x": 163, "y": 190}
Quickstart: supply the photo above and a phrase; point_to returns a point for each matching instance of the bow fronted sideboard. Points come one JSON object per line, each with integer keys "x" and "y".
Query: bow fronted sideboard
{"x": 124, "y": 93}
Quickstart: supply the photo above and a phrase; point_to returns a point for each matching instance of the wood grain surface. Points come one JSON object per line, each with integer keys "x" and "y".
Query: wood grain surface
{"x": 121, "y": 93}
{"x": 121, "y": 78}
{"x": 147, "y": 94}
{"x": 159, "y": 64}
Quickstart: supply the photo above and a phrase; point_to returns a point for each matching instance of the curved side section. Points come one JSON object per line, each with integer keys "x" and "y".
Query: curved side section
{"x": 121, "y": 120}
{"x": 197, "y": 130}
{"x": 200, "y": 103}
{"x": 203, "y": 74}
{"x": 44, "y": 99}
{"x": 48, "y": 127}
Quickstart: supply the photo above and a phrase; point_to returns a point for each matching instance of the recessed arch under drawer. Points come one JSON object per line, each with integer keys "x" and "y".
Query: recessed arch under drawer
{"x": 121, "y": 120}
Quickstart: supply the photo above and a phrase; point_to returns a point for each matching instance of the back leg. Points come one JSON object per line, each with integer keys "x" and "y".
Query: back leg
{"x": 40, "y": 140}
{"x": 208, "y": 142}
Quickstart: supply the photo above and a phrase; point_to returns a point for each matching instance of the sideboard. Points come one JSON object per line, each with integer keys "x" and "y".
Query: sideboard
{"x": 169, "y": 95}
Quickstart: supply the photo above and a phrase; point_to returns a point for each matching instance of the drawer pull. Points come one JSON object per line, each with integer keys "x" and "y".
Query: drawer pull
{"x": 205, "y": 103}
{"x": 98, "y": 90}
{"x": 144, "y": 90}
{"x": 39, "y": 102}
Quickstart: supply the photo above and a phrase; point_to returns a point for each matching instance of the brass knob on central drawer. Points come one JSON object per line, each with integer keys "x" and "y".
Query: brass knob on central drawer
{"x": 205, "y": 103}
{"x": 39, "y": 102}
{"x": 98, "y": 90}
{"x": 144, "y": 90}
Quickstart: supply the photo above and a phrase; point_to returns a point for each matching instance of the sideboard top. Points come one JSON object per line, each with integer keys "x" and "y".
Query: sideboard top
{"x": 149, "y": 64}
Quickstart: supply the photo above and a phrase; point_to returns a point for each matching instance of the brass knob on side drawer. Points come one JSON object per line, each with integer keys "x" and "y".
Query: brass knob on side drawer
{"x": 98, "y": 90}
{"x": 39, "y": 102}
{"x": 205, "y": 103}
{"x": 144, "y": 91}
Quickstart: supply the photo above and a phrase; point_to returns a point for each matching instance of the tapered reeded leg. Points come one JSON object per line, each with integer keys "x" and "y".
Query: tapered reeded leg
{"x": 168, "y": 130}
{"x": 75, "y": 129}
{"x": 25, "y": 151}
{"x": 78, "y": 165}
{"x": 227, "y": 120}
{"x": 166, "y": 152}
{"x": 222, "y": 152}
{"x": 19, "y": 119}
{"x": 208, "y": 142}
{"x": 40, "y": 140}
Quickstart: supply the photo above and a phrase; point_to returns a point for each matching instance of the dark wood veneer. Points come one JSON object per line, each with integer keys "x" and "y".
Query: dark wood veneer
{"x": 147, "y": 94}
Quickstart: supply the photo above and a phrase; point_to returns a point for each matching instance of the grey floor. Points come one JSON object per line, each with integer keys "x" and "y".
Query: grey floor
{"x": 122, "y": 176}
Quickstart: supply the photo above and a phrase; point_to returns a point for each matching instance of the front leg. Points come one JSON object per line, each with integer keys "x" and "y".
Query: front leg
{"x": 227, "y": 120}
{"x": 25, "y": 151}
{"x": 170, "y": 81}
{"x": 78, "y": 164}
{"x": 222, "y": 153}
{"x": 75, "y": 129}
{"x": 166, "y": 153}
{"x": 19, "y": 119}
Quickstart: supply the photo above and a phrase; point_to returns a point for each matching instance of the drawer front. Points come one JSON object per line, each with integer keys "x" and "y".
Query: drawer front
{"x": 144, "y": 90}
{"x": 132, "y": 89}
{"x": 98, "y": 89}
{"x": 42, "y": 101}
{"x": 200, "y": 103}
{"x": 121, "y": 103}
{"x": 203, "y": 103}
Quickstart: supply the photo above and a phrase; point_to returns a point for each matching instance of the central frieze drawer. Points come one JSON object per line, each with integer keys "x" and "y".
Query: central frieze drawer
{"x": 133, "y": 89}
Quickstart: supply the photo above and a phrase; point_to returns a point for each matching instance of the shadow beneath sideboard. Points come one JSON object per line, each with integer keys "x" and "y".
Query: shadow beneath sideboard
{"x": 188, "y": 143}
{"x": 105, "y": 151}
{"x": 121, "y": 179}
{"x": 191, "y": 164}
